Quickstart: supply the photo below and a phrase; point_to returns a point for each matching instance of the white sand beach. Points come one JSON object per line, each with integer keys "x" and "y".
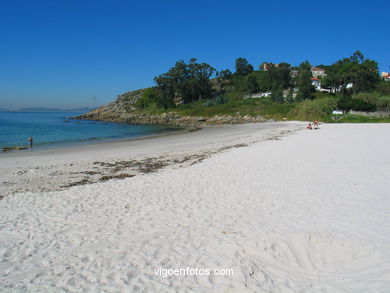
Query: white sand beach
{"x": 286, "y": 209}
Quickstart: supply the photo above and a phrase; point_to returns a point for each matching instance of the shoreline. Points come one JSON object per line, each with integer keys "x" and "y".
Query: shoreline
{"x": 60, "y": 168}
{"x": 86, "y": 143}
{"x": 64, "y": 144}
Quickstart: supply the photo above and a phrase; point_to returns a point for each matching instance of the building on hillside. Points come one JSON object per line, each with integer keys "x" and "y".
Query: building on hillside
{"x": 316, "y": 83}
{"x": 337, "y": 89}
{"x": 294, "y": 73}
{"x": 267, "y": 66}
{"x": 386, "y": 76}
{"x": 258, "y": 95}
{"x": 318, "y": 72}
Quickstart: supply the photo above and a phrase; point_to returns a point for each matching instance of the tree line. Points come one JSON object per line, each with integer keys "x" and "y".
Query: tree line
{"x": 191, "y": 81}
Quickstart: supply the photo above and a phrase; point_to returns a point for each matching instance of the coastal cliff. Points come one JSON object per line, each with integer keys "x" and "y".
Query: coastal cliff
{"x": 123, "y": 109}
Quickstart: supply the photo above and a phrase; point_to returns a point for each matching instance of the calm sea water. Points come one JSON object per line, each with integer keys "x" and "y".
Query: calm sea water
{"x": 56, "y": 130}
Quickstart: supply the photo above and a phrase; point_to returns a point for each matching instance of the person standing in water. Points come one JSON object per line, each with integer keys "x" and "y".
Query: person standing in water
{"x": 30, "y": 141}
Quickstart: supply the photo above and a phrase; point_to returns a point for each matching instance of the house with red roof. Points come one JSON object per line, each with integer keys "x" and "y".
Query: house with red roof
{"x": 318, "y": 72}
{"x": 316, "y": 82}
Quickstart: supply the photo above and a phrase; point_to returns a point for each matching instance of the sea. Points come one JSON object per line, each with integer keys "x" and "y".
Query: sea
{"x": 57, "y": 129}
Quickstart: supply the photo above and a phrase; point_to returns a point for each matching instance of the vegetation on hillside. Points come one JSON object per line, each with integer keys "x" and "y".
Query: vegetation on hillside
{"x": 198, "y": 89}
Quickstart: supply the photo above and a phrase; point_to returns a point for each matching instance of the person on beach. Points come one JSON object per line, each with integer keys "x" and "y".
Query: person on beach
{"x": 309, "y": 126}
{"x": 315, "y": 123}
{"x": 30, "y": 141}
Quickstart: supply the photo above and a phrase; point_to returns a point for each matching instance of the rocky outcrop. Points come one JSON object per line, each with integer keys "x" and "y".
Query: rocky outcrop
{"x": 171, "y": 118}
{"x": 123, "y": 110}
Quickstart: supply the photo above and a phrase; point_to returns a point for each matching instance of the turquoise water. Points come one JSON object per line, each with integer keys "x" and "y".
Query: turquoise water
{"x": 56, "y": 130}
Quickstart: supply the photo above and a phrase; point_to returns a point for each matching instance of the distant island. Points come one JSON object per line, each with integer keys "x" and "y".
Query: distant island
{"x": 193, "y": 93}
{"x": 43, "y": 109}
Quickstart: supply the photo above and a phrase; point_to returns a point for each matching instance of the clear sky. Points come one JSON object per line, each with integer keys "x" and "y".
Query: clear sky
{"x": 66, "y": 53}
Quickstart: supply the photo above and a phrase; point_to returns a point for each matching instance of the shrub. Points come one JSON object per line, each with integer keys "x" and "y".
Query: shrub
{"x": 370, "y": 98}
{"x": 383, "y": 88}
{"x": 153, "y": 108}
{"x": 314, "y": 109}
{"x": 208, "y": 103}
{"x": 360, "y": 102}
{"x": 380, "y": 102}
{"x": 250, "y": 102}
{"x": 148, "y": 97}
{"x": 277, "y": 95}
{"x": 221, "y": 100}
{"x": 384, "y": 103}
{"x": 266, "y": 100}
{"x": 154, "y": 99}
{"x": 235, "y": 95}
{"x": 360, "y": 105}
{"x": 321, "y": 95}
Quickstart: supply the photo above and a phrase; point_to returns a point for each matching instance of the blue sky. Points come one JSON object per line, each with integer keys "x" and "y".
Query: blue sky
{"x": 67, "y": 53}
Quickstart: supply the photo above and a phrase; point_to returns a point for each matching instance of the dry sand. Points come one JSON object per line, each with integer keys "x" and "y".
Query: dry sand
{"x": 305, "y": 212}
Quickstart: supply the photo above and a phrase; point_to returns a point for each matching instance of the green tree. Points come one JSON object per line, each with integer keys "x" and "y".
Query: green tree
{"x": 252, "y": 84}
{"x": 243, "y": 67}
{"x": 383, "y": 88}
{"x": 357, "y": 57}
{"x": 225, "y": 74}
{"x": 353, "y": 75}
{"x": 188, "y": 82}
{"x": 263, "y": 80}
{"x": 280, "y": 76}
{"x": 277, "y": 94}
{"x": 305, "y": 88}
{"x": 222, "y": 78}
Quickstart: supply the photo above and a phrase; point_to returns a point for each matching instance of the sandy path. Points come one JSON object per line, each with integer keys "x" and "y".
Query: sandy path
{"x": 309, "y": 212}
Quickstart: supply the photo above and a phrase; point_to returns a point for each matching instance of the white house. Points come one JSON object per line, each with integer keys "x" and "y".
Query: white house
{"x": 318, "y": 72}
{"x": 316, "y": 83}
